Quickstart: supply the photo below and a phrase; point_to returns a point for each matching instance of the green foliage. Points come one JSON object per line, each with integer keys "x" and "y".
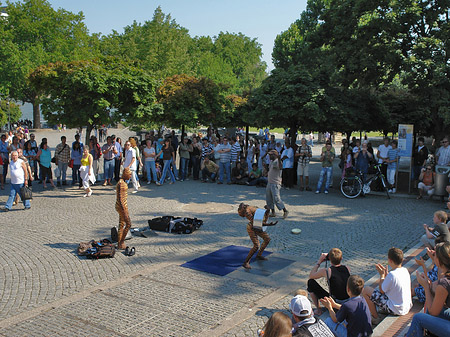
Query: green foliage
{"x": 192, "y": 101}
{"x": 34, "y": 34}
{"x": 9, "y": 111}
{"x": 95, "y": 92}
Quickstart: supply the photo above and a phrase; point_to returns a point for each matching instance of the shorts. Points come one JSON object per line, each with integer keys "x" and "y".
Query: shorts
{"x": 428, "y": 189}
{"x": 380, "y": 300}
{"x": 303, "y": 169}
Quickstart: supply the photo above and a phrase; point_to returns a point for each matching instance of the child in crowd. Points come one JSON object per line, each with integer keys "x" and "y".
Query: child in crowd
{"x": 348, "y": 161}
{"x": 392, "y": 162}
{"x": 355, "y": 312}
{"x": 394, "y": 295}
{"x": 439, "y": 233}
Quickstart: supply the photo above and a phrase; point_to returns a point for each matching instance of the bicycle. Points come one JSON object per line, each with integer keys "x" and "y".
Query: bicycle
{"x": 352, "y": 184}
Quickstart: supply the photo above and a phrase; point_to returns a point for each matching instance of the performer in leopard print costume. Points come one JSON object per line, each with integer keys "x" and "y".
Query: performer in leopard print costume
{"x": 122, "y": 208}
{"x": 248, "y": 212}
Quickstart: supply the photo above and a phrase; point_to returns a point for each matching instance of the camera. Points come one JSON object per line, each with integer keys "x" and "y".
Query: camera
{"x": 327, "y": 258}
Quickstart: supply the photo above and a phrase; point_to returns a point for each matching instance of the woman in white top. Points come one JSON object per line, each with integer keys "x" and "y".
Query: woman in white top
{"x": 250, "y": 154}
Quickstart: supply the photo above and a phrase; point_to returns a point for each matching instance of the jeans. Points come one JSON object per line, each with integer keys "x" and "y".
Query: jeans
{"x": 150, "y": 165}
{"x": 15, "y": 189}
{"x": 435, "y": 325}
{"x": 76, "y": 174}
{"x": 167, "y": 168}
{"x": 173, "y": 164}
{"x": 338, "y": 329}
{"x": 35, "y": 166}
{"x": 184, "y": 162}
{"x": 207, "y": 174}
{"x": 328, "y": 172}
{"x": 108, "y": 168}
{"x": 63, "y": 169}
{"x": 224, "y": 167}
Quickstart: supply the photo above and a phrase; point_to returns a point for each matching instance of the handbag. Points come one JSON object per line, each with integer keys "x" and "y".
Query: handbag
{"x": 71, "y": 163}
{"x": 26, "y": 193}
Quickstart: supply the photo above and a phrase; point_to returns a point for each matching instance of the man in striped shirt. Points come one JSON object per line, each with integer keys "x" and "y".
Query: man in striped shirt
{"x": 224, "y": 161}
{"x": 235, "y": 152}
{"x": 207, "y": 149}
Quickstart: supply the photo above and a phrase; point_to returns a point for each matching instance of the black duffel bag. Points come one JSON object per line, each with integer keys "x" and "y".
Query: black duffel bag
{"x": 160, "y": 223}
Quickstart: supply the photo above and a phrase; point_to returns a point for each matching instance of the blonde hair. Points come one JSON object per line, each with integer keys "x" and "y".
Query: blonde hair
{"x": 279, "y": 325}
{"x": 441, "y": 215}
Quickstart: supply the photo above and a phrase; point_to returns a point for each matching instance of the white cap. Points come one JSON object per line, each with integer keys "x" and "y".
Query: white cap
{"x": 300, "y": 303}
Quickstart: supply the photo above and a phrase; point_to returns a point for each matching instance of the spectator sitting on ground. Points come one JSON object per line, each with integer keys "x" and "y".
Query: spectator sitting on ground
{"x": 305, "y": 324}
{"x": 209, "y": 170}
{"x": 440, "y": 231}
{"x": 238, "y": 174}
{"x": 426, "y": 184}
{"x": 337, "y": 275}
{"x": 394, "y": 295}
{"x": 437, "y": 304}
{"x": 432, "y": 275}
{"x": 278, "y": 325}
{"x": 254, "y": 174}
{"x": 355, "y": 312}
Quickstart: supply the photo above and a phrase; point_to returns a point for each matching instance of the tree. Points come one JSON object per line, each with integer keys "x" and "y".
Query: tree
{"x": 95, "y": 92}
{"x": 190, "y": 101}
{"x": 288, "y": 98}
{"x": 9, "y": 112}
{"x": 35, "y": 34}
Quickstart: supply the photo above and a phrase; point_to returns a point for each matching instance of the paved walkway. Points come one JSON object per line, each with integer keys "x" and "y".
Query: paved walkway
{"x": 47, "y": 290}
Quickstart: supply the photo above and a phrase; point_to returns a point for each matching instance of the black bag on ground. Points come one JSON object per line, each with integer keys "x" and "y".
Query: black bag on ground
{"x": 186, "y": 225}
{"x": 160, "y": 223}
{"x": 101, "y": 249}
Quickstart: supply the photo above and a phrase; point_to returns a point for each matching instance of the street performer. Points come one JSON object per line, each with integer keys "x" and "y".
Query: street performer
{"x": 254, "y": 231}
{"x": 122, "y": 208}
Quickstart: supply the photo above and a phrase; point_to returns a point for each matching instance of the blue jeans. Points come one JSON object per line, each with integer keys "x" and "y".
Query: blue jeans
{"x": 109, "y": 169}
{"x": 224, "y": 167}
{"x": 435, "y": 325}
{"x": 338, "y": 329}
{"x": 15, "y": 189}
{"x": 174, "y": 168}
{"x": 167, "y": 168}
{"x": 184, "y": 163}
{"x": 328, "y": 172}
{"x": 63, "y": 169}
{"x": 76, "y": 174}
{"x": 151, "y": 165}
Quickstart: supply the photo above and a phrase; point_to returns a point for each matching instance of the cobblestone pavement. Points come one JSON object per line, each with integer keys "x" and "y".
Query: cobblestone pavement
{"x": 47, "y": 290}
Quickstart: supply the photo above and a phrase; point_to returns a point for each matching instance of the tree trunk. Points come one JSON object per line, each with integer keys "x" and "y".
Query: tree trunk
{"x": 36, "y": 113}
{"x": 182, "y": 131}
{"x": 89, "y": 128}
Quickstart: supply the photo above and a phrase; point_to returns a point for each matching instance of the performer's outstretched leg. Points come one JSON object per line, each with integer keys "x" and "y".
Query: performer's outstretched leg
{"x": 266, "y": 239}
{"x": 254, "y": 238}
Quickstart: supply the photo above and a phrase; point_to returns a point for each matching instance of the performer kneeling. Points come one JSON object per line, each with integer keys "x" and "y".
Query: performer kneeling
{"x": 248, "y": 212}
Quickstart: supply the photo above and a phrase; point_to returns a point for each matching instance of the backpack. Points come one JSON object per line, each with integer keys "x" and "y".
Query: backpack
{"x": 99, "y": 249}
{"x": 185, "y": 225}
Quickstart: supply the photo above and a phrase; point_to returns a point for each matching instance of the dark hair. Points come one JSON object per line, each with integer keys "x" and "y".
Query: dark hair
{"x": 421, "y": 139}
{"x": 394, "y": 142}
{"x": 254, "y": 164}
{"x": 63, "y": 137}
{"x": 335, "y": 256}
{"x": 26, "y": 145}
{"x": 355, "y": 284}
{"x": 443, "y": 255}
{"x": 395, "y": 255}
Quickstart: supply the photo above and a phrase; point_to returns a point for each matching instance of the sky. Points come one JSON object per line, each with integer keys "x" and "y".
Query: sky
{"x": 260, "y": 19}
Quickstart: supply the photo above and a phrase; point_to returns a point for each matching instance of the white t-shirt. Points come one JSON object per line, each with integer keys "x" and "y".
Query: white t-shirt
{"x": 129, "y": 155}
{"x": 383, "y": 152}
{"x": 397, "y": 286}
{"x": 289, "y": 161}
{"x": 149, "y": 151}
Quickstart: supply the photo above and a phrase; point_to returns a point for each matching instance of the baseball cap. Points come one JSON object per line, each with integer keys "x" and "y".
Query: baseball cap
{"x": 300, "y": 306}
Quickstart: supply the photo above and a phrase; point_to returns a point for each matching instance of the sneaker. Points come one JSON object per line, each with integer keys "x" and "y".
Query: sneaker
{"x": 390, "y": 190}
{"x": 181, "y": 179}
{"x": 134, "y": 191}
{"x": 89, "y": 193}
{"x": 326, "y": 192}
{"x": 84, "y": 196}
{"x": 158, "y": 184}
{"x": 104, "y": 184}
{"x": 394, "y": 190}
{"x": 285, "y": 214}
{"x": 317, "y": 192}
{"x": 149, "y": 182}
{"x": 4, "y": 210}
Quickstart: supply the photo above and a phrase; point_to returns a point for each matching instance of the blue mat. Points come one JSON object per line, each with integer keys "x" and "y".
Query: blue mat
{"x": 222, "y": 261}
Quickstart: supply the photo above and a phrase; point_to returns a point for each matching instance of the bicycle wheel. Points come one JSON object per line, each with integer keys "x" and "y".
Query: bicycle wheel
{"x": 351, "y": 187}
{"x": 383, "y": 181}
